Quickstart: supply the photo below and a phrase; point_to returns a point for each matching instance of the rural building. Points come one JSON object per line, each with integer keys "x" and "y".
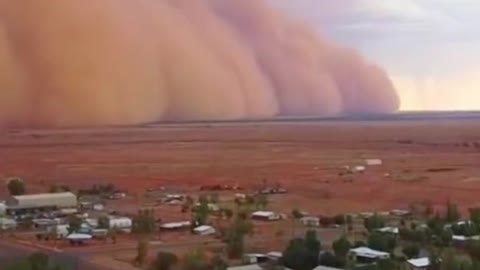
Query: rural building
{"x": 3, "y": 209}
{"x": 310, "y": 221}
{"x": 368, "y": 255}
{"x": 255, "y": 258}
{"x": 250, "y": 267}
{"x": 399, "y": 212}
{"x": 7, "y": 224}
{"x": 204, "y": 230}
{"x": 419, "y": 264}
{"x": 275, "y": 255}
{"x": 321, "y": 267}
{"x": 41, "y": 202}
{"x": 60, "y": 230}
{"x": 373, "y": 162}
{"x": 121, "y": 223}
{"x": 266, "y": 216}
{"x": 389, "y": 230}
{"x": 175, "y": 226}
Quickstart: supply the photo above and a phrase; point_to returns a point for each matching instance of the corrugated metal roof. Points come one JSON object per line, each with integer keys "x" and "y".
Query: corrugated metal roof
{"x": 64, "y": 199}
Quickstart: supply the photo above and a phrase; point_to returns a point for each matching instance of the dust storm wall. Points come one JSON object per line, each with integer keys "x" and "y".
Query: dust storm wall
{"x": 68, "y": 63}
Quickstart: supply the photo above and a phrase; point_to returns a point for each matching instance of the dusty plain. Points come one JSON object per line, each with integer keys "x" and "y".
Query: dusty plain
{"x": 433, "y": 159}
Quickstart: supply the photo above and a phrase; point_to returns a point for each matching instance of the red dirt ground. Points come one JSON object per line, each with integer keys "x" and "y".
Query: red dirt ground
{"x": 299, "y": 155}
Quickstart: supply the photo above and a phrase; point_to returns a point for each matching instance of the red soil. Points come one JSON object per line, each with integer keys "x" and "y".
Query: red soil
{"x": 301, "y": 156}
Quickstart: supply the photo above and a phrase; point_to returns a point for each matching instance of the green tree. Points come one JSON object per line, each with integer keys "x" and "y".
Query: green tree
{"x": 330, "y": 260}
{"x": 143, "y": 227}
{"x": 144, "y": 223}
{"x": 262, "y": 201}
{"x": 313, "y": 245}
{"x": 381, "y": 242}
{"x": 297, "y": 256}
{"x": 16, "y": 187}
{"x": 201, "y": 212}
{"x": 349, "y": 222}
{"x": 142, "y": 251}
{"x": 104, "y": 222}
{"x": 452, "y": 213}
{"x": 374, "y": 222}
{"x": 228, "y": 213}
{"x": 38, "y": 261}
{"x": 475, "y": 215}
{"x": 341, "y": 247}
{"x": 235, "y": 236}
{"x": 411, "y": 251}
{"x": 218, "y": 263}
{"x": 164, "y": 261}
{"x": 74, "y": 224}
{"x": 195, "y": 261}
{"x": 296, "y": 215}
{"x": 214, "y": 198}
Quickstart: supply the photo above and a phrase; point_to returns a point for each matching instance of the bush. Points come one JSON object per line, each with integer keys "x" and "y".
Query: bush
{"x": 16, "y": 187}
{"x": 411, "y": 251}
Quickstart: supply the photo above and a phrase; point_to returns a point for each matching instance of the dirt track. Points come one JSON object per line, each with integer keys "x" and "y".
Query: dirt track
{"x": 303, "y": 156}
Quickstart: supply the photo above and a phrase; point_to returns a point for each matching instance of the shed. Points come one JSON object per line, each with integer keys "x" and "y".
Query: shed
{"x": 389, "y": 230}
{"x": 175, "y": 225}
{"x": 3, "y": 208}
{"x": 250, "y": 267}
{"x": 122, "y": 223}
{"x": 310, "y": 221}
{"x": 8, "y": 224}
{"x": 373, "y": 162}
{"x": 204, "y": 230}
{"x": 47, "y": 201}
{"x": 266, "y": 216}
{"x": 369, "y": 254}
{"x": 321, "y": 267}
{"x": 419, "y": 264}
{"x": 255, "y": 258}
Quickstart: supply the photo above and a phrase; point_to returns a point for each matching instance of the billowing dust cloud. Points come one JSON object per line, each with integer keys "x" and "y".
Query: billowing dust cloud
{"x": 67, "y": 63}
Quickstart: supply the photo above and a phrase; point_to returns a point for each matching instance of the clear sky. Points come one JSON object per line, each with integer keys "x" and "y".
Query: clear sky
{"x": 430, "y": 48}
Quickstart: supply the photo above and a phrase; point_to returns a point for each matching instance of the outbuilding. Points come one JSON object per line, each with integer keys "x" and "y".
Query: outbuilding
{"x": 204, "y": 230}
{"x": 419, "y": 264}
{"x": 121, "y": 223}
{"x": 173, "y": 226}
{"x": 310, "y": 221}
{"x": 266, "y": 216}
{"x": 7, "y": 224}
{"x": 368, "y": 255}
{"x": 17, "y": 205}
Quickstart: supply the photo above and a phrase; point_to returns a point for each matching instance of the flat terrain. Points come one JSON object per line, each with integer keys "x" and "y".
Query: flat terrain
{"x": 433, "y": 160}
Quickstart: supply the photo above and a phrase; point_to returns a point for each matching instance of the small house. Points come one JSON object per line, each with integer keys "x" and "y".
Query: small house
{"x": 121, "y": 223}
{"x": 255, "y": 258}
{"x": 265, "y": 216}
{"x": 400, "y": 213}
{"x": 310, "y": 221}
{"x": 204, "y": 230}
{"x": 419, "y": 264}
{"x": 368, "y": 255}
{"x": 373, "y": 162}
{"x": 7, "y": 224}
{"x": 389, "y": 230}
{"x": 174, "y": 226}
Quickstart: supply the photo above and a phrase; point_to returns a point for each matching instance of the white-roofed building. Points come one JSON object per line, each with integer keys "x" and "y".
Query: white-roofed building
{"x": 175, "y": 225}
{"x": 310, "y": 221}
{"x": 368, "y": 255}
{"x": 204, "y": 230}
{"x": 121, "y": 223}
{"x": 321, "y": 267}
{"x": 266, "y": 216}
{"x": 419, "y": 264}
{"x": 250, "y": 267}
{"x": 41, "y": 202}
{"x": 389, "y": 230}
